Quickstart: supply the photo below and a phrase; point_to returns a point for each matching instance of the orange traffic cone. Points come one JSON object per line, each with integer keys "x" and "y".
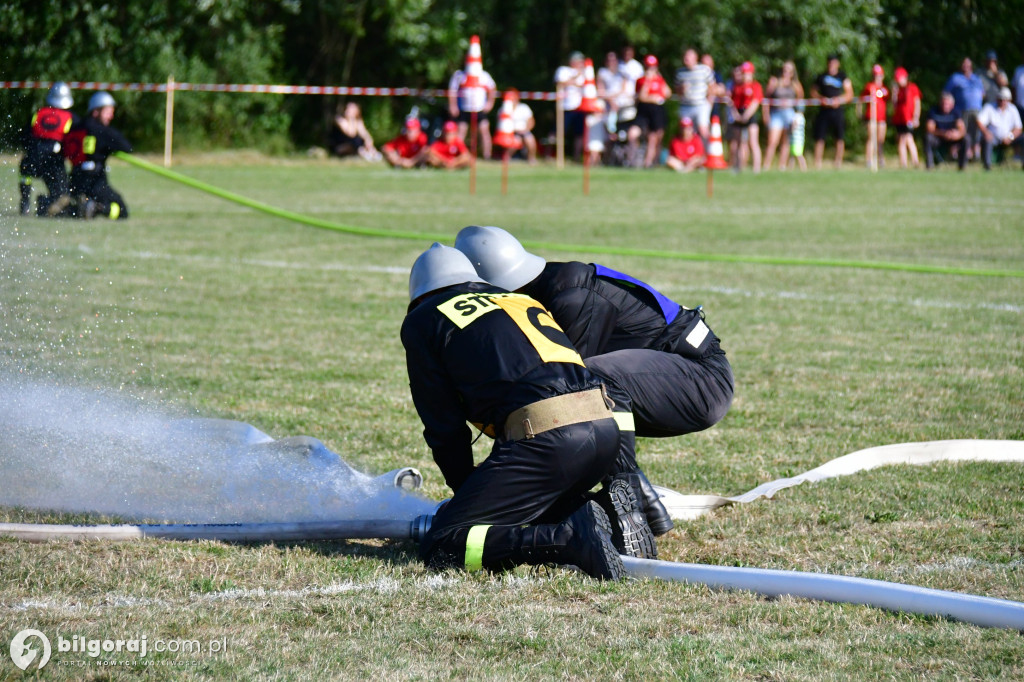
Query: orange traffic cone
{"x": 716, "y": 156}
{"x": 506, "y": 135}
{"x": 474, "y": 63}
{"x": 589, "y": 104}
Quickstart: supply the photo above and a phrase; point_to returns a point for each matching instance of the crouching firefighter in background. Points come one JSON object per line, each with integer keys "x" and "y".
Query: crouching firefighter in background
{"x": 88, "y": 146}
{"x": 662, "y": 356}
{"x": 43, "y": 141}
{"x": 480, "y": 354}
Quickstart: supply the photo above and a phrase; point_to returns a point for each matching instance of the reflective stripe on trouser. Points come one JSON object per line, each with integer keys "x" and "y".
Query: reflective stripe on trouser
{"x": 475, "y": 548}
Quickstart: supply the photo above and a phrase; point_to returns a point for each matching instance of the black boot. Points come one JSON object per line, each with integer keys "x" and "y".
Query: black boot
{"x": 26, "y": 198}
{"x": 657, "y": 516}
{"x": 583, "y": 540}
{"x": 630, "y": 532}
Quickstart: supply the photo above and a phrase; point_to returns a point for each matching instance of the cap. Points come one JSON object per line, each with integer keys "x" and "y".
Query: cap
{"x": 575, "y": 56}
{"x": 833, "y": 56}
{"x": 450, "y": 126}
{"x": 1004, "y": 93}
{"x": 651, "y": 60}
{"x": 747, "y": 67}
{"x": 900, "y": 72}
{"x": 991, "y": 56}
{"x": 878, "y": 70}
{"x": 686, "y": 121}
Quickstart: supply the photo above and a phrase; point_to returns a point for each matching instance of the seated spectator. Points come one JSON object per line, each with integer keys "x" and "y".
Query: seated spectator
{"x": 686, "y": 150}
{"x": 906, "y": 116}
{"x": 449, "y": 152}
{"x": 875, "y": 88}
{"x": 785, "y": 89}
{"x": 651, "y": 93}
{"x": 746, "y": 100}
{"x": 1000, "y": 127}
{"x": 349, "y": 135}
{"x": 409, "y": 149}
{"x": 522, "y": 124}
{"x": 945, "y": 130}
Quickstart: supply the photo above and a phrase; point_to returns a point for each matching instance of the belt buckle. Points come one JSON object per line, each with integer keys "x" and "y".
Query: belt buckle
{"x": 528, "y": 429}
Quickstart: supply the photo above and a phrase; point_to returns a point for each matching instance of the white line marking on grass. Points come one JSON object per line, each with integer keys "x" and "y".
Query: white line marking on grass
{"x": 282, "y": 265}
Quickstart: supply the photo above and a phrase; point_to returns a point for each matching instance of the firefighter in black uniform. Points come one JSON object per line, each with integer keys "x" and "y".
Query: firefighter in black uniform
{"x": 43, "y": 141}
{"x": 477, "y": 353}
{"x": 88, "y": 146}
{"x": 662, "y": 355}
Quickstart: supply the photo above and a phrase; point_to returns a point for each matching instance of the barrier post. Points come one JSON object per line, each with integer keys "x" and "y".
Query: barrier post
{"x": 559, "y": 127}
{"x": 873, "y": 133}
{"x": 169, "y": 122}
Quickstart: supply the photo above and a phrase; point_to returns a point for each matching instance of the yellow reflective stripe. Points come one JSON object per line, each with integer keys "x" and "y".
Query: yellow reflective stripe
{"x": 625, "y": 421}
{"x": 115, "y": 210}
{"x": 475, "y": 548}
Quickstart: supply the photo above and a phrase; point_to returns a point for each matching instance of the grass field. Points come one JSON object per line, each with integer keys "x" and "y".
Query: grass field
{"x": 201, "y": 304}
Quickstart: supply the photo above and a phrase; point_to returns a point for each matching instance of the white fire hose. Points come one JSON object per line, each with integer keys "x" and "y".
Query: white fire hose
{"x": 983, "y": 611}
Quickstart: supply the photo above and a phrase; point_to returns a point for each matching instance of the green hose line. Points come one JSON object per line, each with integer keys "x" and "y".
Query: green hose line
{"x": 552, "y": 246}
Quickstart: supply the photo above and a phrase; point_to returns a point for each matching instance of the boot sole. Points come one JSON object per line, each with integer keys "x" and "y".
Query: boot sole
{"x": 613, "y": 568}
{"x": 635, "y": 537}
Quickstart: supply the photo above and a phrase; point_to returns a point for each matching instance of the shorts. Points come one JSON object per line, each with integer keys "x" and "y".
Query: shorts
{"x": 700, "y": 113}
{"x": 903, "y": 128}
{"x": 574, "y": 122}
{"x": 466, "y": 117}
{"x": 781, "y": 118}
{"x": 829, "y": 119}
{"x": 650, "y": 117}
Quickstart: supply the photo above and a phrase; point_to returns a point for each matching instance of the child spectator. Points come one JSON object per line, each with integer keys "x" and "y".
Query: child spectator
{"x": 784, "y": 89}
{"x": 349, "y": 135}
{"x": 651, "y": 93}
{"x": 522, "y": 124}
{"x": 686, "y": 150}
{"x": 409, "y": 149}
{"x": 746, "y": 100}
{"x": 875, "y": 119}
{"x": 450, "y": 151}
{"x": 906, "y": 117}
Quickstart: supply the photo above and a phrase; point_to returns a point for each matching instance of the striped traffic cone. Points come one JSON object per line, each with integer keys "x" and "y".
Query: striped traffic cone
{"x": 589, "y": 104}
{"x": 474, "y": 63}
{"x": 716, "y": 155}
{"x": 506, "y": 135}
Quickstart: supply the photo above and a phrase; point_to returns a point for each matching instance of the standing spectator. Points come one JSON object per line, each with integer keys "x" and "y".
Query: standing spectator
{"x": 993, "y": 78}
{"x": 783, "y": 90}
{"x": 733, "y": 131}
{"x": 522, "y": 124}
{"x": 349, "y": 135}
{"x": 716, "y": 91}
{"x": 409, "y": 149}
{"x": 43, "y": 142}
{"x": 611, "y": 87}
{"x": 651, "y": 93}
{"x": 1000, "y": 127}
{"x": 449, "y": 152}
{"x": 877, "y": 90}
{"x": 835, "y": 90}
{"x": 570, "y": 81}
{"x": 968, "y": 92}
{"x": 463, "y": 101}
{"x": 945, "y": 130}
{"x": 1018, "y": 88}
{"x": 746, "y": 100}
{"x": 88, "y": 146}
{"x": 906, "y": 117}
{"x": 695, "y": 85}
{"x": 631, "y": 68}
{"x": 686, "y": 150}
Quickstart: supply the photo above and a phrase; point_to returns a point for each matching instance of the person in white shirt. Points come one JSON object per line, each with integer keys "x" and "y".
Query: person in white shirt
{"x": 463, "y": 101}
{"x": 522, "y": 124}
{"x": 570, "y": 81}
{"x": 1000, "y": 127}
{"x": 695, "y": 85}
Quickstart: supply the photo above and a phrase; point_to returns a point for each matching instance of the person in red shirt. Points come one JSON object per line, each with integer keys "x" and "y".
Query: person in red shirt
{"x": 651, "y": 93}
{"x": 876, "y": 89}
{"x": 746, "y": 100}
{"x": 409, "y": 149}
{"x": 449, "y": 151}
{"x": 686, "y": 151}
{"x": 906, "y": 117}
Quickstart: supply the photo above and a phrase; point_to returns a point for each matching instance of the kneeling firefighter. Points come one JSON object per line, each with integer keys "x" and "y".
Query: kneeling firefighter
{"x": 88, "y": 146}
{"x": 661, "y": 356}
{"x": 478, "y": 353}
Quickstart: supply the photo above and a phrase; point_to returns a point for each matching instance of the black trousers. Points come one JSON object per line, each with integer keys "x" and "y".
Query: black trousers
{"x": 671, "y": 395}
{"x": 933, "y": 145}
{"x": 94, "y": 186}
{"x": 40, "y": 161}
{"x": 540, "y": 480}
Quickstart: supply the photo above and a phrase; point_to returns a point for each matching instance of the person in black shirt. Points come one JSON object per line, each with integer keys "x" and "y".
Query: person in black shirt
{"x": 480, "y": 354}
{"x": 945, "y": 130}
{"x": 43, "y": 141}
{"x": 88, "y": 146}
{"x": 660, "y": 355}
{"x": 835, "y": 90}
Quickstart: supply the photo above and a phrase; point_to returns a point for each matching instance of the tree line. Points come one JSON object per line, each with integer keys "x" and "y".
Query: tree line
{"x": 419, "y": 43}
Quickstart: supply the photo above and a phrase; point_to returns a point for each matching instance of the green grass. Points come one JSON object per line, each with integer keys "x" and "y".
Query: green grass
{"x": 199, "y": 304}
